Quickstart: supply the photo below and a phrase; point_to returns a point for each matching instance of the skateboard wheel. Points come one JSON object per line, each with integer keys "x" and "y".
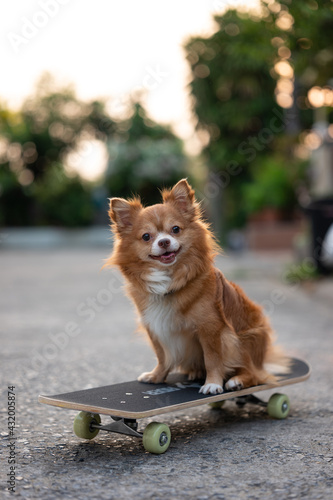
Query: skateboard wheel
{"x": 278, "y": 406}
{"x": 156, "y": 438}
{"x": 217, "y": 405}
{"x": 83, "y": 425}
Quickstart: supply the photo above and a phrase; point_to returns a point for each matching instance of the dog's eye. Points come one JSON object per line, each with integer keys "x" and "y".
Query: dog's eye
{"x": 146, "y": 237}
{"x": 175, "y": 229}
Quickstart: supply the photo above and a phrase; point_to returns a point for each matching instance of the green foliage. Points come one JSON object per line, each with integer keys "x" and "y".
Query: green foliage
{"x": 144, "y": 166}
{"x": 233, "y": 87}
{"x": 273, "y": 185}
{"x": 51, "y": 123}
{"x": 232, "y": 84}
{"x": 234, "y": 98}
{"x": 310, "y": 40}
{"x": 62, "y": 200}
{"x": 14, "y": 199}
{"x": 35, "y": 187}
{"x": 150, "y": 157}
{"x": 300, "y": 273}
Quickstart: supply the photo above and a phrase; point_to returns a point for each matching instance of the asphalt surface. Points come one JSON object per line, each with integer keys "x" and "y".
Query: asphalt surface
{"x": 67, "y": 325}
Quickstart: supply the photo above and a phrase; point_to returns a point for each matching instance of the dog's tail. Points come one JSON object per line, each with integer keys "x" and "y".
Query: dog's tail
{"x": 276, "y": 360}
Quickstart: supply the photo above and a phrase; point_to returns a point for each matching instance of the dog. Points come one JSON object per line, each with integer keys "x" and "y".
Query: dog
{"x": 197, "y": 321}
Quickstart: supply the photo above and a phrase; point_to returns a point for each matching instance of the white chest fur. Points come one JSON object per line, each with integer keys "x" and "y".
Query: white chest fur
{"x": 158, "y": 282}
{"x": 167, "y": 325}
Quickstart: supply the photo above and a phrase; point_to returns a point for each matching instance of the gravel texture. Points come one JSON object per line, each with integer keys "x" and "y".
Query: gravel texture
{"x": 66, "y": 325}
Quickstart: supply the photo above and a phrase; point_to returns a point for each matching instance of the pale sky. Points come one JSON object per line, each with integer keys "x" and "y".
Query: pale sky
{"x": 106, "y": 48}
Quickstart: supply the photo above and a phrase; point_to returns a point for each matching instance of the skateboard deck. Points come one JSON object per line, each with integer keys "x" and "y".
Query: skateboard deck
{"x": 128, "y": 401}
{"x": 138, "y": 399}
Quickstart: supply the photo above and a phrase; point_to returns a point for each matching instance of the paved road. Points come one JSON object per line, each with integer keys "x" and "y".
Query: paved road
{"x": 66, "y": 325}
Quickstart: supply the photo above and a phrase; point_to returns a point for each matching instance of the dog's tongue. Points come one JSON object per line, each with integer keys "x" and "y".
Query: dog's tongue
{"x": 167, "y": 257}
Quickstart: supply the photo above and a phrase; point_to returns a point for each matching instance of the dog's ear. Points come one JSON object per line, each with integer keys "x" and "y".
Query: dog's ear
{"x": 182, "y": 195}
{"x": 123, "y": 213}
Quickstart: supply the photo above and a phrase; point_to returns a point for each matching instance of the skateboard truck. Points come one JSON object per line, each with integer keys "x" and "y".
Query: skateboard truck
{"x": 127, "y": 426}
{"x": 250, "y": 398}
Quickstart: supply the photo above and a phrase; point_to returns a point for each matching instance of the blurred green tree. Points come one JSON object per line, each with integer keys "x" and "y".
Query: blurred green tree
{"x": 249, "y": 86}
{"x": 144, "y": 156}
{"x": 34, "y": 185}
{"x": 309, "y": 39}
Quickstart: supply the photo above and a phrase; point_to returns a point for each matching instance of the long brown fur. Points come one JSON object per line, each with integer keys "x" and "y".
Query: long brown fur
{"x": 197, "y": 321}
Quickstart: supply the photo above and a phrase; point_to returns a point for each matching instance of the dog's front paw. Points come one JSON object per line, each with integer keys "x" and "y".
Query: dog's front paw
{"x": 150, "y": 378}
{"x": 211, "y": 389}
{"x": 146, "y": 377}
{"x": 234, "y": 384}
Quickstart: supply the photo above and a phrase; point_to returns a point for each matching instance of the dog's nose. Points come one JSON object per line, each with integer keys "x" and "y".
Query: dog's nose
{"x": 164, "y": 243}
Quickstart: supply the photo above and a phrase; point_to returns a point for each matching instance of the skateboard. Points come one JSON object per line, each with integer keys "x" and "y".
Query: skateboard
{"x": 128, "y": 402}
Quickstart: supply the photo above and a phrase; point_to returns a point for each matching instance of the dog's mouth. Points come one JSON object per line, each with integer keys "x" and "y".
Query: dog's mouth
{"x": 166, "y": 257}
